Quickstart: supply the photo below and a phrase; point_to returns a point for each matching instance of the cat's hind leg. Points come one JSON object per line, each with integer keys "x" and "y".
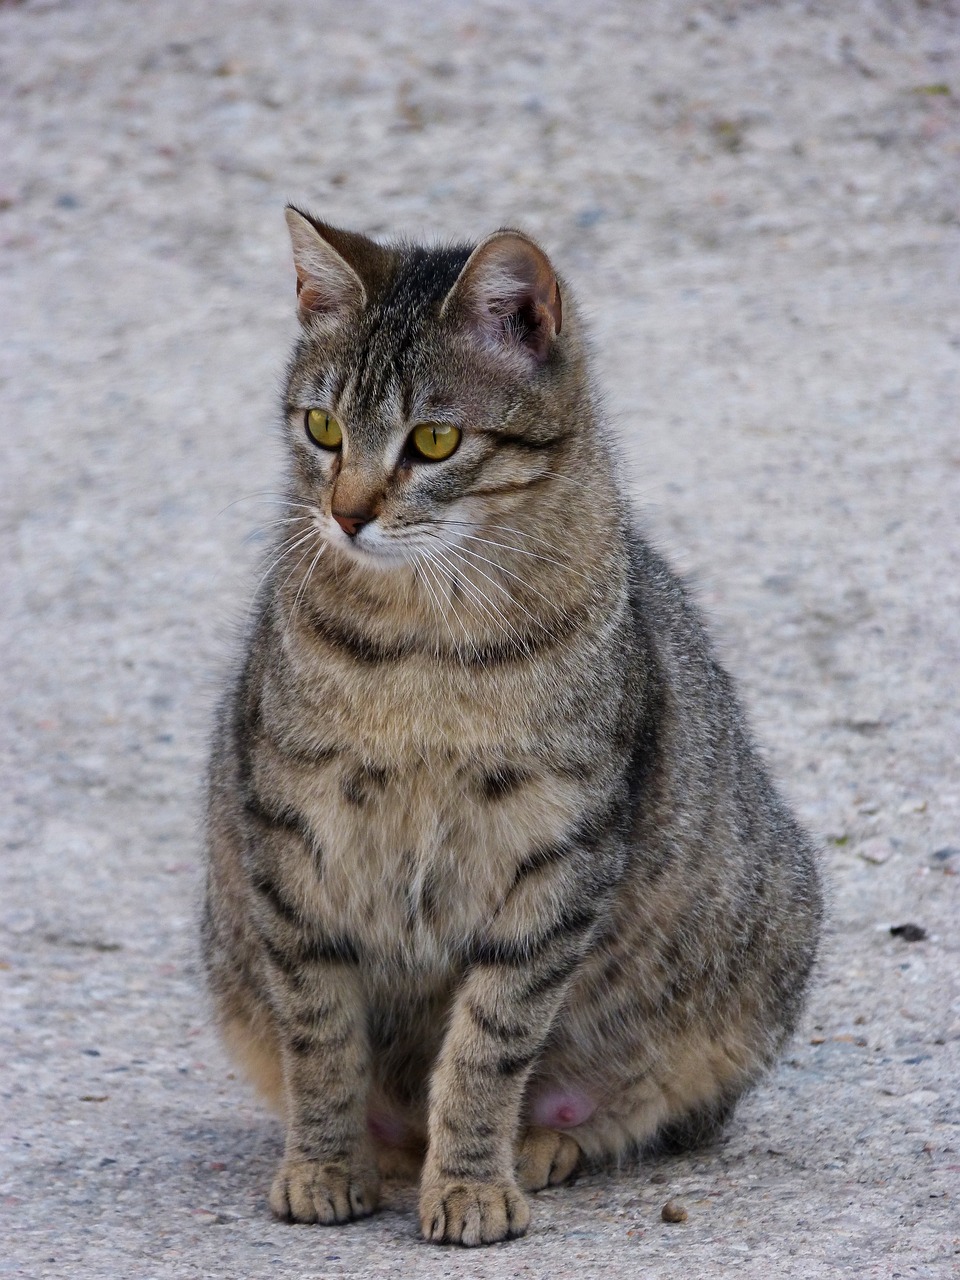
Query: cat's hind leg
{"x": 697, "y": 1128}
{"x": 253, "y": 1045}
{"x": 546, "y": 1155}
{"x": 545, "y": 1158}
{"x": 568, "y": 1126}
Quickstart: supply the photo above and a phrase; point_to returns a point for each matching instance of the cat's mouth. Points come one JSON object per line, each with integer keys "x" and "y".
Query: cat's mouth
{"x": 433, "y": 548}
{"x": 374, "y": 548}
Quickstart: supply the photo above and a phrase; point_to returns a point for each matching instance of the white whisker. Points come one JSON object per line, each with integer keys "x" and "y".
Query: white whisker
{"x": 454, "y": 580}
{"x": 523, "y": 642}
{"x": 287, "y": 548}
{"x": 436, "y": 609}
{"x": 275, "y": 499}
{"x": 303, "y": 585}
{"x": 273, "y": 524}
{"x": 486, "y": 525}
{"x": 425, "y": 562}
{"x": 516, "y": 576}
{"x": 521, "y": 551}
{"x": 295, "y": 568}
{"x": 495, "y": 614}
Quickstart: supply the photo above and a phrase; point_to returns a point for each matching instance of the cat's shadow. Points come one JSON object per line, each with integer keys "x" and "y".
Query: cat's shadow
{"x": 243, "y": 1150}
{"x": 231, "y": 1159}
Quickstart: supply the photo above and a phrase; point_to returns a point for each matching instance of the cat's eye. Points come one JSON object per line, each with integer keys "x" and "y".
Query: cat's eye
{"x": 434, "y": 440}
{"x": 323, "y": 429}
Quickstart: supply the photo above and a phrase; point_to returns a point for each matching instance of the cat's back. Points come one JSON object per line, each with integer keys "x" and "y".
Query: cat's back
{"x": 721, "y": 867}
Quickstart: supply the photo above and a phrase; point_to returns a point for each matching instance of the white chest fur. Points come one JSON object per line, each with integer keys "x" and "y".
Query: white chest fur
{"x": 428, "y": 790}
{"x": 413, "y": 861}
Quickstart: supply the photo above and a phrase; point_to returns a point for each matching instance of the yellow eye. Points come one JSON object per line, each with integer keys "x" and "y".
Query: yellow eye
{"x": 322, "y": 429}
{"x": 435, "y": 440}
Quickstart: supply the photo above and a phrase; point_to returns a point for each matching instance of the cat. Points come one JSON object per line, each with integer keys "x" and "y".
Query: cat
{"x": 496, "y": 880}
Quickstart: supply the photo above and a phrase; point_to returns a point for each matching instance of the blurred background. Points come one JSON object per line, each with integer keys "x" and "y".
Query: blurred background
{"x": 758, "y": 207}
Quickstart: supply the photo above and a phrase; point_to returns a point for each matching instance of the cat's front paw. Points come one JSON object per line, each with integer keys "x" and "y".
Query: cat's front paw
{"x": 313, "y": 1191}
{"x": 546, "y": 1158}
{"x": 471, "y": 1213}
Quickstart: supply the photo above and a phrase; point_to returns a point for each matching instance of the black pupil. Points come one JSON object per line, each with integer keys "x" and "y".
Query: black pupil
{"x": 318, "y": 426}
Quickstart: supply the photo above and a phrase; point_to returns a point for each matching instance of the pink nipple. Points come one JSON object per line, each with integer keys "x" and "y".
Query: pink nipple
{"x": 561, "y": 1108}
{"x": 387, "y": 1128}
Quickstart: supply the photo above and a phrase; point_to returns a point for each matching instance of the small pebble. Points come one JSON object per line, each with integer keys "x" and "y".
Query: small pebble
{"x": 673, "y": 1211}
{"x": 909, "y": 932}
{"x": 658, "y": 1177}
{"x": 875, "y": 851}
{"x": 18, "y": 920}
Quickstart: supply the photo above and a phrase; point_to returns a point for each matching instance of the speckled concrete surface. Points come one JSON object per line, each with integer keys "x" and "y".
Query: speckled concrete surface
{"x": 759, "y": 205}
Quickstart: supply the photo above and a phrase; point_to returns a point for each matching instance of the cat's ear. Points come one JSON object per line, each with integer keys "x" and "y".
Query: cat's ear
{"x": 335, "y": 269}
{"x": 507, "y": 294}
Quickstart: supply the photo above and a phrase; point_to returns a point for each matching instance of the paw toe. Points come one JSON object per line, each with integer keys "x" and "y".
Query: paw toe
{"x": 472, "y": 1213}
{"x": 546, "y": 1158}
{"x": 309, "y": 1191}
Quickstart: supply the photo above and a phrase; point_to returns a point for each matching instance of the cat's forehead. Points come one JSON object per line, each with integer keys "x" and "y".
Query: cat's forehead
{"x": 392, "y": 365}
{"x": 395, "y": 329}
{"x": 421, "y": 276}
{"x": 381, "y": 395}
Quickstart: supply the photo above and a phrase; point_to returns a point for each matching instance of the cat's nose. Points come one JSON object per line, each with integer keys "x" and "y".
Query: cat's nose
{"x": 352, "y": 524}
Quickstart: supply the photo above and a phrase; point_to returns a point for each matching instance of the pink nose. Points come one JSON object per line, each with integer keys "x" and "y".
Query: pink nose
{"x": 351, "y": 525}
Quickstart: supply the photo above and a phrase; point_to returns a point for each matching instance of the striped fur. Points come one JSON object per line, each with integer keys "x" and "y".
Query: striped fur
{"x": 485, "y": 828}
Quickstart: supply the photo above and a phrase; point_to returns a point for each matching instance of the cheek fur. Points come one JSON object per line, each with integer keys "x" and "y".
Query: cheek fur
{"x": 317, "y": 472}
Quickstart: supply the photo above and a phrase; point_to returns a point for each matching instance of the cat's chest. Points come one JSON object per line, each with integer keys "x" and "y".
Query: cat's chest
{"x": 412, "y": 860}
{"x": 431, "y": 708}
{"x": 430, "y": 785}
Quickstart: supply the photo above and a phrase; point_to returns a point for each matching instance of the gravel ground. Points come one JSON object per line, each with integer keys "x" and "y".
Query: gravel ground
{"x": 759, "y": 205}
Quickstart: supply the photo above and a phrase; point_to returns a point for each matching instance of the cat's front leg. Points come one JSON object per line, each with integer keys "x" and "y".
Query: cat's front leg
{"x": 329, "y": 1171}
{"x": 501, "y": 1019}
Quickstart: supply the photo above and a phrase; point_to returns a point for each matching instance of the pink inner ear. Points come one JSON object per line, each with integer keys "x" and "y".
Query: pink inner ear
{"x": 510, "y": 294}
{"x": 325, "y": 296}
{"x": 561, "y": 1108}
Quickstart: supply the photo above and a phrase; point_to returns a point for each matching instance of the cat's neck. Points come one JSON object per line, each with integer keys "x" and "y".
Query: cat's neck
{"x": 500, "y": 580}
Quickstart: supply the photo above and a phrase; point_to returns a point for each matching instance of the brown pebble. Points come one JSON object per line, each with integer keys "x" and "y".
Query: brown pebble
{"x": 658, "y": 1177}
{"x": 673, "y": 1211}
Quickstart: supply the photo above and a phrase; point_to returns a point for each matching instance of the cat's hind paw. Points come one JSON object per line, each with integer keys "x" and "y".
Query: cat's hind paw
{"x": 472, "y": 1213}
{"x": 311, "y": 1191}
{"x": 546, "y": 1158}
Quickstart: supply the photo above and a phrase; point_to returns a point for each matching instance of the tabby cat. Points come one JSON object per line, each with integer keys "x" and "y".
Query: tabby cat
{"x": 496, "y": 880}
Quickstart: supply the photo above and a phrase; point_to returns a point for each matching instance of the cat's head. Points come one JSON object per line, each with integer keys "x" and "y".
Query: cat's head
{"x": 431, "y": 390}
